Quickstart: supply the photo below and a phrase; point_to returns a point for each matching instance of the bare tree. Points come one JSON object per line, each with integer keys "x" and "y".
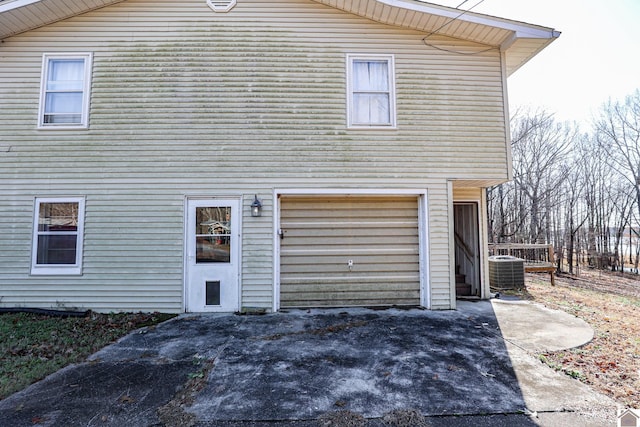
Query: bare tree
{"x": 623, "y": 202}
{"x": 596, "y": 179}
{"x": 580, "y": 192}
{"x": 505, "y": 220}
{"x": 540, "y": 146}
{"x": 618, "y": 133}
{"x": 574, "y": 217}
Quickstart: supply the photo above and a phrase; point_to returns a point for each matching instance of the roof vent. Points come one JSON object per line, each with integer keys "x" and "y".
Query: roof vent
{"x": 221, "y": 5}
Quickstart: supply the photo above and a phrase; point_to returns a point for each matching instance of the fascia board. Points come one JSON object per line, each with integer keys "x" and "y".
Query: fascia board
{"x": 521, "y": 29}
{"x": 14, "y": 4}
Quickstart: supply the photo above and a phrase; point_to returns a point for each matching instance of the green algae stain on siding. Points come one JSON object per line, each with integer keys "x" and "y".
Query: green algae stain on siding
{"x": 243, "y": 73}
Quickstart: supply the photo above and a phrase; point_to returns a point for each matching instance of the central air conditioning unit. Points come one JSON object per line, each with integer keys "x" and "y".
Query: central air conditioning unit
{"x": 506, "y": 272}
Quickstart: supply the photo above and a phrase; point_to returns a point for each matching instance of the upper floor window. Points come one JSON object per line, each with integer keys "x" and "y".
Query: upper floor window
{"x": 57, "y": 236}
{"x": 64, "y": 95}
{"x": 371, "y": 91}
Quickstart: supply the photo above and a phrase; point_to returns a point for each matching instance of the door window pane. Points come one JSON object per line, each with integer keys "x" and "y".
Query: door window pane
{"x": 213, "y": 234}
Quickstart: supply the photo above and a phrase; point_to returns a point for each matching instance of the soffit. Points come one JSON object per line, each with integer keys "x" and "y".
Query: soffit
{"x": 519, "y": 40}
{"x": 18, "y": 16}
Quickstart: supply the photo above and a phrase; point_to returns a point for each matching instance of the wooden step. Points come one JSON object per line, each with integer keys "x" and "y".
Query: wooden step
{"x": 463, "y": 290}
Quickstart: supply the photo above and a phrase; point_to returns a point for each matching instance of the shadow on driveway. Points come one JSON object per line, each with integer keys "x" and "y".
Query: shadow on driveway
{"x": 286, "y": 369}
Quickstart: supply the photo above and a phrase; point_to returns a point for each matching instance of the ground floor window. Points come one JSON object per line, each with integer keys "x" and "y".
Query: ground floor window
{"x": 57, "y": 236}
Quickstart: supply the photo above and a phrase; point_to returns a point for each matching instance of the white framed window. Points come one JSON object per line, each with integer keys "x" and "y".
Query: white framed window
{"x": 371, "y": 100}
{"x": 57, "y": 236}
{"x": 64, "y": 92}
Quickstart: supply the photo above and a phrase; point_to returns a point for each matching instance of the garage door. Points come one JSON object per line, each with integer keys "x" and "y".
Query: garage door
{"x": 349, "y": 251}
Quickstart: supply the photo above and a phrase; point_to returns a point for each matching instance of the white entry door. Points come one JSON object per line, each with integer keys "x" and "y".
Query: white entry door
{"x": 213, "y": 255}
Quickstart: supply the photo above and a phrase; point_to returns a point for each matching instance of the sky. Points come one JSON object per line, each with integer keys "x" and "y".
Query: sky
{"x": 596, "y": 58}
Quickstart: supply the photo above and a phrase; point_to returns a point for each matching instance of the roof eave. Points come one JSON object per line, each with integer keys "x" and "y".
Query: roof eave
{"x": 523, "y": 49}
{"x": 520, "y": 41}
{"x": 19, "y": 16}
{"x": 507, "y": 35}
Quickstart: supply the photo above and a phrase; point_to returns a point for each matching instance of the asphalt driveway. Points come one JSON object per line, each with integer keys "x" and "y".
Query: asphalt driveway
{"x": 473, "y": 366}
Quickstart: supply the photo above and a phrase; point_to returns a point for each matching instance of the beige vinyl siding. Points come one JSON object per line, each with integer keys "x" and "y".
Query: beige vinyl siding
{"x": 440, "y": 263}
{"x": 467, "y": 194}
{"x": 322, "y": 235}
{"x": 257, "y": 254}
{"x": 187, "y": 102}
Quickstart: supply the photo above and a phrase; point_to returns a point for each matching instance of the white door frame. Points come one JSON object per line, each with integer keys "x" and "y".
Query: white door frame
{"x": 227, "y": 272}
{"x": 423, "y": 230}
{"x": 483, "y": 239}
{"x": 477, "y": 270}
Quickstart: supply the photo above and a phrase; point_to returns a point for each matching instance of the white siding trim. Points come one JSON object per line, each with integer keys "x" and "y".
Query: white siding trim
{"x": 481, "y": 202}
{"x": 345, "y": 191}
{"x": 452, "y": 252}
{"x": 86, "y": 95}
{"x": 350, "y": 57}
{"x": 485, "y": 292}
{"x": 276, "y": 250}
{"x": 185, "y": 229}
{"x": 58, "y": 269}
{"x": 423, "y": 230}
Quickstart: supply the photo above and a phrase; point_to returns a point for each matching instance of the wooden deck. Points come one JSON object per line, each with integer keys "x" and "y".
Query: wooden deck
{"x": 538, "y": 258}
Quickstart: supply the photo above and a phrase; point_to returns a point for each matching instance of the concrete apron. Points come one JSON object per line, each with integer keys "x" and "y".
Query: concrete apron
{"x": 300, "y": 365}
{"x": 530, "y": 329}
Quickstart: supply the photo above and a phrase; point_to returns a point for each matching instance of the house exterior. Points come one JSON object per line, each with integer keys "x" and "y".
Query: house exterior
{"x": 139, "y": 138}
{"x": 628, "y": 418}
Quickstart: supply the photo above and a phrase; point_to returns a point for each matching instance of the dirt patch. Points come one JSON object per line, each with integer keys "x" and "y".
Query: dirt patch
{"x": 610, "y": 303}
{"x": 395, "y": 418}
{"x": 173, "y": 413}
{"x": 342, "y": 419}
{"x": 405, "y": 418}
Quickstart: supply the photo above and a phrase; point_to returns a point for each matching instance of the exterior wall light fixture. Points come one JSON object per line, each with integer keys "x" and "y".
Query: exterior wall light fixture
{"x": 256, "y": 207}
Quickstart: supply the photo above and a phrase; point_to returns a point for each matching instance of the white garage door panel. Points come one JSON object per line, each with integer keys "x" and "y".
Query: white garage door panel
{"x": 323, "y": 235}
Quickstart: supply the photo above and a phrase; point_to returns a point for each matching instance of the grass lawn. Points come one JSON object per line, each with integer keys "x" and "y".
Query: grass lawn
{"x": 611, "y": 362}
{"x": 33, "y": 346}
